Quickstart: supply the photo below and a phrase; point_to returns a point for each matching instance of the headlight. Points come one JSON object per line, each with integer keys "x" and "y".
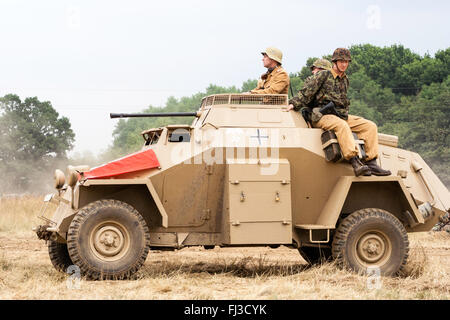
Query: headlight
{"x": 60, "y": 179}
{"x": 73, "y": 174}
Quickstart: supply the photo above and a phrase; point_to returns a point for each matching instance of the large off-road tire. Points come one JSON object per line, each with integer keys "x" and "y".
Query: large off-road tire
{"x": 371, "y": 238}
{"x": 315, "y": 255}
{"x": 59, "y": 255}
{"x": 108, "y": 239}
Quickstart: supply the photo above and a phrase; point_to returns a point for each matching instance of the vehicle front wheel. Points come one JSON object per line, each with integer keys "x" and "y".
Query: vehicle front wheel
{"x": 108, "y": 240}
{"x": 59, "y": 255}
{"x": 371, "y": 238}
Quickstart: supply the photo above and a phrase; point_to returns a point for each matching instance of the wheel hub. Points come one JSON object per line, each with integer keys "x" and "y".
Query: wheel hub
{"x": 109, "y": 241}
{"x": 372, "y": 248}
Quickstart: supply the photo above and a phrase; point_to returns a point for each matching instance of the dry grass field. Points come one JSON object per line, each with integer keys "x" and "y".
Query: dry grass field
{"x": 221, "y": 273}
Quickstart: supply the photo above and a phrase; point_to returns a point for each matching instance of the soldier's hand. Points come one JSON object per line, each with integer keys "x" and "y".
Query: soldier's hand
{"x": 247, "y": 92}
{"x": 289, "y": 108}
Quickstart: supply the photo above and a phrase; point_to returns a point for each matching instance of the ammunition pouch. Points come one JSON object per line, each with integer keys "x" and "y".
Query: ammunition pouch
{"x": 329, "y": 108}
{"x": 333, "y": 153}
{"x": 319, "y": 112}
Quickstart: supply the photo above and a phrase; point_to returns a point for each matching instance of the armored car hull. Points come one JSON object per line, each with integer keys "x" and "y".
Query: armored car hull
{"x": 246, "y": 172}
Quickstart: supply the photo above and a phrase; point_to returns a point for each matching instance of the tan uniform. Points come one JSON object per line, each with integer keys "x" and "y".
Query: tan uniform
{"x": 344, "y": 125}
{"x": 364, "y": 129}
{"x": 275, "y": 82}
{"x": 326, "y": 86}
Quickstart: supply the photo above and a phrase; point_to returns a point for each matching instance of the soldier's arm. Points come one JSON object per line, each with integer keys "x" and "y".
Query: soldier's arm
{"x": 310, "y": 88}
{"x": 280, "y": 82}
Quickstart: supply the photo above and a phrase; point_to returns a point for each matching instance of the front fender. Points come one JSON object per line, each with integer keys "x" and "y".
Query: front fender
{"x": 98, "y": 187}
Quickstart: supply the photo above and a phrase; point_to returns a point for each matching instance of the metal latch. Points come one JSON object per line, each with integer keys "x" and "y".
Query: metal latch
{"x": 277, "y": 196}
{"x": 402, "y": 173}
{"x": 242, "y": 196}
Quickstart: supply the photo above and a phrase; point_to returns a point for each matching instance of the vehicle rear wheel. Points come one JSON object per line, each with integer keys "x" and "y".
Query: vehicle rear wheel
{"x": 315, "y": 255}
{"x": 108, "y": 239}
{"x": 371, "y": 238}
{"x": 59, "y": 255}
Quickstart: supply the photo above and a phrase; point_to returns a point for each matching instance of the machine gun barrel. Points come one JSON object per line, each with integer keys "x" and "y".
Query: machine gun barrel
{"x": 153, "y": 115}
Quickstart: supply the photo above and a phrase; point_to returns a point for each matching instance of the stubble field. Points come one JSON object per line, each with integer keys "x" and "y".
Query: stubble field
{"x": 221, "y": 273}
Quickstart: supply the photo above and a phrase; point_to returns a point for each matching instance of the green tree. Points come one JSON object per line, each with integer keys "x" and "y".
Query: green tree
{"x": 422, "y": 124}
{"x": 249, "y": 85}
{"x": 369, "y": 99}
{"x": 383, "y": 64}
{"x": 32, "y": 138}
{"x": 399, "y": 68}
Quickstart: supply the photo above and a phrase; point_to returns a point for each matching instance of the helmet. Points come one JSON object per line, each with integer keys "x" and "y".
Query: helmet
{"x": 274, "y": 54}
{"x": 322, "y": 64}
{"x": 341, "y": 54}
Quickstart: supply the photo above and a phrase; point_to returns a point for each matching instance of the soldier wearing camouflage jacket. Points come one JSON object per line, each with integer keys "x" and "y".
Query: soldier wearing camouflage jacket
{"x": 331, "y": 86}
{"x": 321, "y": 88}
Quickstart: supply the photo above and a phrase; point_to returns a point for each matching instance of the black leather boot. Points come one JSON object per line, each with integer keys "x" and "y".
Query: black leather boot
{"x": 376, "y": 169}
{"x": 359, "y": 167}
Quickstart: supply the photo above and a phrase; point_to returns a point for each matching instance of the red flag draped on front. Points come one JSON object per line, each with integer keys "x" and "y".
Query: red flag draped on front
{"x": 133, "y": 162}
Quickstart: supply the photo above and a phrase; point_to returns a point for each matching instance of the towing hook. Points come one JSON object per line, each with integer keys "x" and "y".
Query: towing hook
{"x": 42, "y": 233}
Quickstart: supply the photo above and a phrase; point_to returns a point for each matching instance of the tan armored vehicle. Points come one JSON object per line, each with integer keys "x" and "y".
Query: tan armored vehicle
{"x": 246, "y": 172}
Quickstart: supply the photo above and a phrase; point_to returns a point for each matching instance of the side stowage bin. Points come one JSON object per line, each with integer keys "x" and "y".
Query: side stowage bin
{"x": 259, "y": 204}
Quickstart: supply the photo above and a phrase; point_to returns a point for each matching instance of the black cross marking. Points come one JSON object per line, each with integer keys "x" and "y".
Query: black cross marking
{"x": 259, "y": 136}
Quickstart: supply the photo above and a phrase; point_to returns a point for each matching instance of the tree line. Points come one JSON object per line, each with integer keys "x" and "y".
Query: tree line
{"x": 406, "y": 94}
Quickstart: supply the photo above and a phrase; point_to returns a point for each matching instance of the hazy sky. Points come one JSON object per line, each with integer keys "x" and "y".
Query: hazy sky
{"x": 90, "y": 58}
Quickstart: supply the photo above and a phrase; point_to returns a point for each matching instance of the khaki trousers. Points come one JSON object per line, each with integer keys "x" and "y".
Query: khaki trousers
{"x": 364, "y": 129}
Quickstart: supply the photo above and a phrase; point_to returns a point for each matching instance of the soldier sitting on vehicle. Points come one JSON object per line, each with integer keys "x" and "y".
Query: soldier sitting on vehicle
{"x": 319, "y": 65}
{"x": 327, "y": 90}
{"x": 276, "y": 79}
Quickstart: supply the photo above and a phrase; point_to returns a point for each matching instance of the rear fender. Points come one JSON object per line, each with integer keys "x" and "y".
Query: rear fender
{"x": 387, "y": 193}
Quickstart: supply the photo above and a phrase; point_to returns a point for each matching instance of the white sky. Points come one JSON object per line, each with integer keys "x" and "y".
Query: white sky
{"x": 91, "y": 57}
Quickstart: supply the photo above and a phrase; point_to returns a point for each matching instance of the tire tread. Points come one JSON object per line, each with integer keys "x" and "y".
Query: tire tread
{"x": 346, "y": 226}
{"x": 75, "y": 250}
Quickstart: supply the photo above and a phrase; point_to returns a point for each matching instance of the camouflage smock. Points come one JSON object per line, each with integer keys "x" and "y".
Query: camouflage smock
{"x": 321, "y": 88}
{"x": 274, "y": 82}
